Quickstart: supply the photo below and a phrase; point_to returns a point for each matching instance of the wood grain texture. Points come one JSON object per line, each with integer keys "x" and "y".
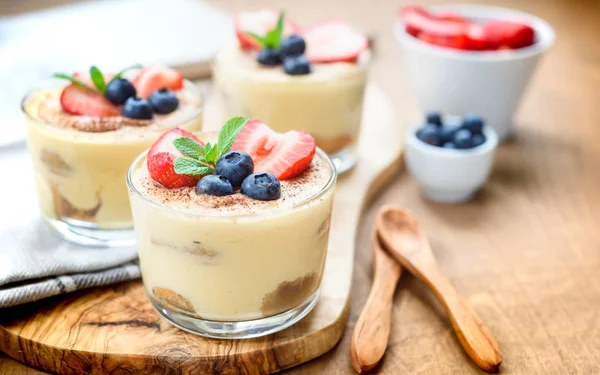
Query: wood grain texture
{"x": 401, "y": 236}
{"x": 525, "y": 252}
{"x": 372, "y": 329}
{"x": 115, "y": 329}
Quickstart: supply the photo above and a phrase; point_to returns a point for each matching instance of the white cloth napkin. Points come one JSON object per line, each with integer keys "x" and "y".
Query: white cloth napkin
{"x": 35, "y": 262}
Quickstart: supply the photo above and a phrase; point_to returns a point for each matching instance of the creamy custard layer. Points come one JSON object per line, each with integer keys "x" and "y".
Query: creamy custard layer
{"x": 80, "y": 175}
{"x": 327, "y": 103}
{"x": 233, "y": 258}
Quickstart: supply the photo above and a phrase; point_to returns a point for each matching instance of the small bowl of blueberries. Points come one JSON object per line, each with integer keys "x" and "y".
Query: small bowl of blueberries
{"x": 451, "y": 156}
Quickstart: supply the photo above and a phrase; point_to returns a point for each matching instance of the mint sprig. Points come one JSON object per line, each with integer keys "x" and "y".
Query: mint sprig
{"x": 273, "y": 37}
{"x": 96, "y": 76}
{"x": 201, "y": 160}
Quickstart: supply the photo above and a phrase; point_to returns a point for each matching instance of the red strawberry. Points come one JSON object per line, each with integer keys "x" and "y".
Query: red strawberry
{"x": 411, "y": 29}
{"x": 418, "y": 20}
{"x": 260, "y": 23}
{"x": 285, "y": 155}
{"x": 85, "y": 78}
{"x": 499, "y": 33}
{"x": 333, "y": 41}
{"x": 456, "y": 42}
{"x": 161, "y": 157}
{"x": 156, "y": 77}
{"x": 453, "y": 17}
{"x": 78, "y": 100}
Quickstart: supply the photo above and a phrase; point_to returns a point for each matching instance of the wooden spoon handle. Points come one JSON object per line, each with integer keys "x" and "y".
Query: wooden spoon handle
{"x": 372, "y": 330}
{"x": 473, "y": 335}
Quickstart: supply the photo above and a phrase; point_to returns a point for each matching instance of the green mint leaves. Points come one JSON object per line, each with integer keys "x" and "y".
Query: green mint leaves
{"x": 201, "y": 160}
{"x": 273, "y": 37}
{"x": 97, "y": 78}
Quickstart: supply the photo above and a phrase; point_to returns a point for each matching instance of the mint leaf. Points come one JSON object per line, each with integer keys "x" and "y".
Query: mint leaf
{"x": 259, "y": 39}
{"x": 191, "y": 167}
{"x": 211, "y": 155}
{"x": 279, "y": 29}
{"x": 134, "y": 66}
{"x": 228, "y": 133}
{"x": 98, "y": 79}
{"x": 189, "y": 147}
{"x": 71, "y": 79}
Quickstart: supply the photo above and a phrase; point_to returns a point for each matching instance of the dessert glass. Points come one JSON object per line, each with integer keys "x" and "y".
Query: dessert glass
{"x": 232, "y": 274}
{"x": 327, "y": 103}
{"x": 80, "y": 176}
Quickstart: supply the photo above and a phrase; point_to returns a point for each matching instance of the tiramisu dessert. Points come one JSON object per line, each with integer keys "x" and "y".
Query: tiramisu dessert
{"x": 83, "y": 137}
{"x": 233, "y": 230}
{"x": 310, "y": 78}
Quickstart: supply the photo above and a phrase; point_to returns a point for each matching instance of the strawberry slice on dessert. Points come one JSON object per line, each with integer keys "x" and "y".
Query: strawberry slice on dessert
{"x": 333, "y": 41}
{"x": 156, "y": 77}
{"x": 81, "y": 101}
{"x": 285, "y": 155}
{"x": 259, "y": 23}
{"x": 161, "y": 157}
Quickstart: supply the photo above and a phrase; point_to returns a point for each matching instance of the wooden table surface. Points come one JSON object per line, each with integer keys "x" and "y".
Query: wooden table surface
{"x": 526, "y": 251}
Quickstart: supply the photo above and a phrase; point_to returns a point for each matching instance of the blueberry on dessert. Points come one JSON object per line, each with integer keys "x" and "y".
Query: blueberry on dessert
{"x": 296, "y": 65}
{"x": 119, "y": 90}
{"x": 235, "y": 166}
{"x": 163, "y": 101}
{"x": 268, "y": 56}
{"x": 137, "y": 108}
{"x": 213, "y": 184}
{"x": 292, "y": 45}
{"x": 263, "y": 186}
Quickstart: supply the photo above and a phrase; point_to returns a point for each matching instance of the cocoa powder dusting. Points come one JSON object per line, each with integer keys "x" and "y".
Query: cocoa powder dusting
{"x": 289, "y": 294}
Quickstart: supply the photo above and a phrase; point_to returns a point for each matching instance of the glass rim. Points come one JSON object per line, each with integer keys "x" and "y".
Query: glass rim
{"x": 269, "y": 212}
{"x": 187, "y": 84}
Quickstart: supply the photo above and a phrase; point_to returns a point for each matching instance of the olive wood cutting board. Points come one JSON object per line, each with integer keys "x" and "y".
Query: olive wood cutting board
{"x": 115, "y": 330}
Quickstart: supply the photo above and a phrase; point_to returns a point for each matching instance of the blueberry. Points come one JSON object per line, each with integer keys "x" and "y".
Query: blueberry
{"x": 263, "y": 186}
{"x": 163, "y": 101}
{"x": 296, "y": 65}
{"x": 269, "y": 57}
{"x": 434, "y": 118}
{"x": 213, "y": 184}
{"x": 478, "y": 140}
{"x": 119, "y": 90}
{"x": 447, "y": 132}
{"x": 137, "y": 108}
{"x": 235, "y": 166}
{"x": 463, "y": 139}
{"x": 449, "y": 145}
{"x": 472, "y": 123}
{"x": 430, "y": 134}
{"x": 292, "y": 45}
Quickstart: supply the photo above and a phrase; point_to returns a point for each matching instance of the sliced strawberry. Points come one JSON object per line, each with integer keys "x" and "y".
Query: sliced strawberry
{"x": 453, "y": 17}
{"x": 409, "y": 28}
{"x": 260, "y": 23}
{"x": 161, "y": 157}
{"x": 501, "y": 33}
{"x": 156, "y": 77}
{"x": 285, "y": 155}
{"x": 457, "y": 42}
{"x": 78, "y": 100}
{"x": 417, "y": 20}
{"x": 333, "y": 41}
{"x": 85, "y": 78}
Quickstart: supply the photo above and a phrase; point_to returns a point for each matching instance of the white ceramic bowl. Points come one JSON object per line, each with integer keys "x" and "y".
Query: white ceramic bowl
{"x": 489, "y": 83}
{"x": 450, "y": 175}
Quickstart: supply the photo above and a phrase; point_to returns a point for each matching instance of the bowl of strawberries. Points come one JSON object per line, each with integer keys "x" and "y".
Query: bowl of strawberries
{"x": 471, "y": 58}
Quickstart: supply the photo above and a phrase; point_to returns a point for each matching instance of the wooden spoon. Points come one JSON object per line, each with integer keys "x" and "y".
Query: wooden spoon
{"x": 400, "y": 234}
{"x": 372, "y": 330}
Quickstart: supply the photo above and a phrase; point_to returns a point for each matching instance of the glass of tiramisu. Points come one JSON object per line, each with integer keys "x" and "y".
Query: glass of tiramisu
{"x": 233, "y": 244}
{"x": 83, "y": 137}
{"x": 312, "y": 78}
